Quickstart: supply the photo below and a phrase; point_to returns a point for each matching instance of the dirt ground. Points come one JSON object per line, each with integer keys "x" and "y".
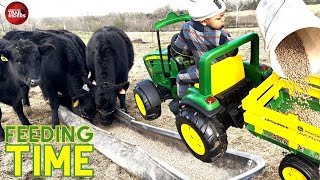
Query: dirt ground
{"x": 239, "y": 139}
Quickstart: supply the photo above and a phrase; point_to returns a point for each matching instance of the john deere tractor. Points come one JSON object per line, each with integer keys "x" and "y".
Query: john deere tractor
{"x": 210, "y": 106}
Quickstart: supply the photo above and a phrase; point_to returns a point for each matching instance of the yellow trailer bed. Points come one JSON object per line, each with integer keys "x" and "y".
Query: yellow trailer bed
{"x": 267, "y": 116}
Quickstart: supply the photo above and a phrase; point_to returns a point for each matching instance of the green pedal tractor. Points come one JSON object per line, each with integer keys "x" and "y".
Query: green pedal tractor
{"x": 212, "y": 105}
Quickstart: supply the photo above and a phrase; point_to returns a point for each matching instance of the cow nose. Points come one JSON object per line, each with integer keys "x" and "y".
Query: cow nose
{"x": 34, "y": 82}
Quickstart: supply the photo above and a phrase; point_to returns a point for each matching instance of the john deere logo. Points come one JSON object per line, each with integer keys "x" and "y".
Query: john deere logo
{"x": 16, "y": 13}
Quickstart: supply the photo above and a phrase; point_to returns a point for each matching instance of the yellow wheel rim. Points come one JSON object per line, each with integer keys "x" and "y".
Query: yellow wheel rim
{"x": 140, "y": 104}
{"x": 290, "y": 173}
{"x": 193, "y": 139}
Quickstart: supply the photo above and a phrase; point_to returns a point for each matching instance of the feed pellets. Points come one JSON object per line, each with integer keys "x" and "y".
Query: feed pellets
{"x": 294, "y": 62}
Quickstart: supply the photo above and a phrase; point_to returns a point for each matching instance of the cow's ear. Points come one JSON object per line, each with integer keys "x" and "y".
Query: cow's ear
{"x": 46, "y": 49}
{"x": 124, "y": 86}
{"x": 5, "y": 55}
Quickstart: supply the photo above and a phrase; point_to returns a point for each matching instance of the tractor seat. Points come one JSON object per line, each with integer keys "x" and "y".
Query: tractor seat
{"x": 225, "y": 74}
{"x": 183, "y": 61}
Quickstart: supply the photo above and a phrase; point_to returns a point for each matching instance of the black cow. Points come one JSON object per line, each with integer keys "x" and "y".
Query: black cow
{"x": 77, "y": 41}
{"x": 62, "y": 71}
{"x": 80, "y": 46}
{"x": 109, "y": 58}
{"x": 19, "y": 66}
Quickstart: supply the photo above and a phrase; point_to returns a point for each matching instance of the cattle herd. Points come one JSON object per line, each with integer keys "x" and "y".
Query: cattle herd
{"x": 61, "y": 64}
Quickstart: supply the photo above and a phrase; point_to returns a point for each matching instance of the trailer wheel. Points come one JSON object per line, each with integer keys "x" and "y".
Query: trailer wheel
{"x": 296, "y": 167}
{"x": 207, "y": 140}
{"x": 145, "y": 95}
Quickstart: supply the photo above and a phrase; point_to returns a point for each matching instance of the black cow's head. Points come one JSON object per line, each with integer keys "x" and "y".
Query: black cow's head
{"x": 84, "y": 105}
{"x": 23, "y": 57}
{"x": 105, "y": 98}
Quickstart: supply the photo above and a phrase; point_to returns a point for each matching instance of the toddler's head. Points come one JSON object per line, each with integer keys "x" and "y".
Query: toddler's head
{"x": 208, "y": 12}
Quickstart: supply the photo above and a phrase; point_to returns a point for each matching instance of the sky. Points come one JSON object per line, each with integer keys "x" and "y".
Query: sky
{"x": 56, "y": 8}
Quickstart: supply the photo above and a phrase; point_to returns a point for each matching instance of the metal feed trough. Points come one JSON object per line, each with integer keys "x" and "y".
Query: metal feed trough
{"x": 233, "y": 165}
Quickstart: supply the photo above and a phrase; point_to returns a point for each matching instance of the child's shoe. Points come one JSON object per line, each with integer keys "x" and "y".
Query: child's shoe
{"x": 174, "y": 106}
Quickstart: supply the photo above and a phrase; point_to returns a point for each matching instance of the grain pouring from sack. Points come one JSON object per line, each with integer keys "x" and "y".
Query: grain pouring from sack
{"x": 294, "y": 62}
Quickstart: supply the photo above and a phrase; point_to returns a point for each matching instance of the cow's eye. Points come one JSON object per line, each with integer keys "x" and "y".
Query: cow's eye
{"x": 19, "y": 62}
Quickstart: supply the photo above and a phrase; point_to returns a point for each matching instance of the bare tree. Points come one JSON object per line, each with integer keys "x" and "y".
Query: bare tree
{"x": 237, "y": 5}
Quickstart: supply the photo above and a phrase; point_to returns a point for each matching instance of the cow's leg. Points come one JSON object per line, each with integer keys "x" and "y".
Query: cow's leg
{"x": 25, "y": 100}
{"x": 122, "y": 99}
{"x": 25, "y": 95}
{"x": 1, "y": 129}
{"x": 54, "y": 104}
{"x": 44, "y": 95}
{"x": 18, "y": 108}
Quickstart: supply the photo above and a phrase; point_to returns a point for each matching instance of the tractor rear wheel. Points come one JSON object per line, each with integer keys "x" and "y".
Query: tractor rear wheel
{"x": 296, "y": 167}
{"x": 148, "y": 100}
{"x": 206, "y": 139}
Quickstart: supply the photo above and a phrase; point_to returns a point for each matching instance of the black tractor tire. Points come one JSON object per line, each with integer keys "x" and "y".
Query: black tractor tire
{"x": 293, "y": 166}
{"x": 211, "y": 132}
{"x": 148, "y": 100}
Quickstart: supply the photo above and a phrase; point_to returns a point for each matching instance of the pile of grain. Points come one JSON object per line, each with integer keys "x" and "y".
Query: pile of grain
{"x": 294, "y": 62}
{"x": 306, "y": 115}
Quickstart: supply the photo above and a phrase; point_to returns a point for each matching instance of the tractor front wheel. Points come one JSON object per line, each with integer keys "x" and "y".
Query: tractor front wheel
{"x": 148, "y": 100}
{"x": 296, "y": 167}
{"x": 206, "y": 139}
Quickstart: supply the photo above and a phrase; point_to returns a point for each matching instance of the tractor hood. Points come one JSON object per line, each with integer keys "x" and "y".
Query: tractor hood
{"x": 155, "y": 55}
